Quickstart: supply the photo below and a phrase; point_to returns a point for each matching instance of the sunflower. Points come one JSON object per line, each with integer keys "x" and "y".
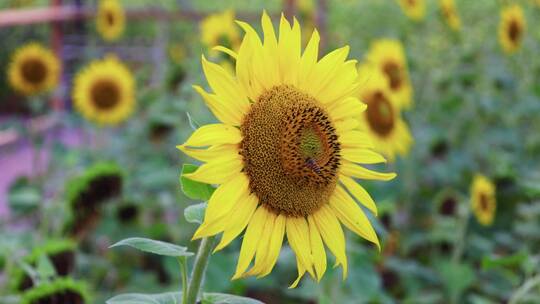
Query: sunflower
{"x": 450, "y": 14}
{"x": 414, "y": 9}
{"x": 104, "y": 91}
{"x": 34, "y": 69}
{"x": 60, "y": 252}
{"x": 483, "y": 199}
{"x": 220, "y": 29}
{"x": 64, "y": 290}
{"x": 511, "y": 28}
{"x": 389, "y": 57}
{"x": 286, "y": 152}
{"x": 110, "y": 19}
{"x": 382, "y": 119}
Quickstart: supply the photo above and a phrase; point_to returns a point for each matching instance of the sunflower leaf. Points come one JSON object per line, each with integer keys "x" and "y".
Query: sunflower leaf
{"x": 154, "y": 246}
{"x": 195, "y": 213}
{"x": 192, "y": 189}
{"x": 223, "y": 298}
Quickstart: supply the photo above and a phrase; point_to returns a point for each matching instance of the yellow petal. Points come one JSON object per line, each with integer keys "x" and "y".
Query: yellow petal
{"x": 239, "y": 218}
{"x": 346, "y": 125}
{"x": 206, "y": 155}
{"x": 355, "y": 139}
{"x": 352, "y": 216}
{"x": 226, "y": 196}
{"x": 250, "y": 242}
{"x": 350, "y": 107}
{"x": 344, "y": 81}
{"x": 362, "y": 155}
{"x": 298, "y": 236}
{"x": 309, "y": 59}
{"x": 224, "y": 85}
{"x": 218, "y": 171}
{"x": 214, "y": 134}
{"x": 289, "y": 51}
{"x": 301, "y": 272}
{"x": 359, "y": 193}
{"x": 353, "y": 170}
{"x": 225, "y": 50}
{"x": 332, "y": 235}
{"x": 262, "y": 249}
{"x": 325, "y": 70}
{"x": 274, "y": 246}
{"x": 225, "y": 112}
{"x": 317, "y": 249}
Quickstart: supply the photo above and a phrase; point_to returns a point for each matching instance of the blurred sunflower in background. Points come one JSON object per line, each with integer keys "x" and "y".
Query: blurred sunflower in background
{"x": 63, "y": 290}
{"x": 382, "y": 119}
{"x": 220, "y": 29}
{"x": 286, "y": 152}
{"x": 104, "y": 91}
{"x": 483, "y": 201}
{"x": 450, "y": 14}
{"x": 414, "y": 9}
{"x": 389, "y": 57}
{"x": 511, "y": 28}
{"x": 110, "y": 19}
{"x": 33, "y": 69}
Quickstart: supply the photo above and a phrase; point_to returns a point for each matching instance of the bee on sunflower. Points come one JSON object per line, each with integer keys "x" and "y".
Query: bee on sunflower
{"x": 382, "y": 119}
{"x": 86, "y": 193}
{"x": 104, "y": 91}
{"x": 63, "y": 290}
{"x": 33, "y": 69}
{"x": 388, "y": 56}
{"x": 414, "y": 9}
{"x": 483, "y": 201}
{"x": 512, "y": 28}
{"x": 110, "y": 19}
{"x": 60, "y": 252}
{"x": 450, "y": 14}
{"x": 286, "y": 152}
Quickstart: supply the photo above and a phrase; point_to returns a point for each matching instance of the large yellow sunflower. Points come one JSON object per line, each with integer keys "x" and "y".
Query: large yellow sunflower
{"x": 110, "y": 19}
{"x": 34, "y": 69}
{"x": 104, "y": 91}
{"x": 483, "y": 199}
{"x": 389, "y": 57}
{"x": 450, "y": 14}
{"x": 382, "y": 119}
{"x": 414, "y": 9}
{"x": 220, "y": 29}
{"x": 285, "y": 153}
{"x": 511, "y": 28}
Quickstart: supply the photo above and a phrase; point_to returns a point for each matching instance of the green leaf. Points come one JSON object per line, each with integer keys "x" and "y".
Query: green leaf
{"x": 507, "y": 261}
{"x": 195, "y": 213}
{"x": 155, "y": 247}
{"x": 456, "y": 278}
{"x": 139, "y": 298}
{"x": 24, "y": 199}
{"x": 223, "y": 298}
{"x": 192, "y": 189}
{"x": 45, "y": 269}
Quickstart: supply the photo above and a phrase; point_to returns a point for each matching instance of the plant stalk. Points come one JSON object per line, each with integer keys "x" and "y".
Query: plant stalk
{"x": 199, "y": 268}
{"x": 183, "y": 272}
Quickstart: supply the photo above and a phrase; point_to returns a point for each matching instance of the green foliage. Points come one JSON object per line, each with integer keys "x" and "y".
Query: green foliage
{"x": 192, "y": 189}
{"x": 176, "y": 298}
{"x": 155, "y": 247}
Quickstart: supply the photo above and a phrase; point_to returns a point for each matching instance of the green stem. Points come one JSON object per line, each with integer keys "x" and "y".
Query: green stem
{"x": 183, "y": 272}
{"x": 524, "y": 289}
{"x": 460, "y": 244}
{"x": 199, "y": 268}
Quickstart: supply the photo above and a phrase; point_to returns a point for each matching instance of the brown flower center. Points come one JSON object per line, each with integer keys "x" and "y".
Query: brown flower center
{"x": 514, "y": 31}
{"x": 110, "y": 18}
{"x": 380, "y": 114}
{"x": 393, "y": 71}
{"x": 484, "y": 202}
{"x": 105, "y": 94}
{"x": 290, "y": 152}
{"x": 34, "y": 71}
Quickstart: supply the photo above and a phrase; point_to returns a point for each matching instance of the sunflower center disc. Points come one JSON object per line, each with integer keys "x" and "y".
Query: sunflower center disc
{"x": 109, "y": 17}
{"x": 290, "y": 152}
{"x": 380, "y": 114}
{"x": 484, "y": 202}
{"x": 105, "y": 94}
{"x": 393, "y": 72}
{"x": 514, "y": 31}
{"x": 34, "y": 71}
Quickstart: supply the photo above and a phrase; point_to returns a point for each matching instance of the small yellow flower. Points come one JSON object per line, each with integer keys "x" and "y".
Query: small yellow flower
{"x": 286, "y": 152}
{"x": 414, "y": 9}
{"x": 104, "y": 91}
{"x": 382, "y": 119}
{"x": 220, "y": 29}
{"x": 110, "y": 19}
{"x": 483, "y": 199}
{"x": 33, "y": 69}
{"x": 512, "y": 28}
{"x": 177, "y": 52}
{"x": 389, "y": 57}
{"x": 450, "y": 14}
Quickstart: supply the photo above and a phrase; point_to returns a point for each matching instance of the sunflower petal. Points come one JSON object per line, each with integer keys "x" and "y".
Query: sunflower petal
{"x": 309, "y": 59}
{"x": 238, "y": 220}
{"x": 206, "y": 155}
{"x": 317, "y": 249}
{"x": 350, "y": 107}
{"x": 274, "y": 246}
{"x": 359, "y": 193}
{"x": 363, "y": 156}
{"x": 224, "y": 85}
{"x": 301, "y": 272}
{"x": 218, "y": 171}
{"x": 332, "y": 235}
{"x": 262, "y": 249}
{"x": 214, "y": 134}
{"x": 352, "y": 216}
{"x": 355, "y": 139}
{"x": 251, "y": 241}
{"x": 354, "y": 170}
{"x": 226, "y": 196}
{"x": 298, "y": 236}
{"x": 225, "y": 50}
{"x": 226, "y": 113}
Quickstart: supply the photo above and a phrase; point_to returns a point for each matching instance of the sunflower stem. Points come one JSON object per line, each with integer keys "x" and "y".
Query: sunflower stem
{"x": 183, "y": 272}
{"x": 199, "y": 268}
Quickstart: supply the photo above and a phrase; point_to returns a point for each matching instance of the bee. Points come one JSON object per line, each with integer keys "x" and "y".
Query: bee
{"x": 312, "y": 164}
